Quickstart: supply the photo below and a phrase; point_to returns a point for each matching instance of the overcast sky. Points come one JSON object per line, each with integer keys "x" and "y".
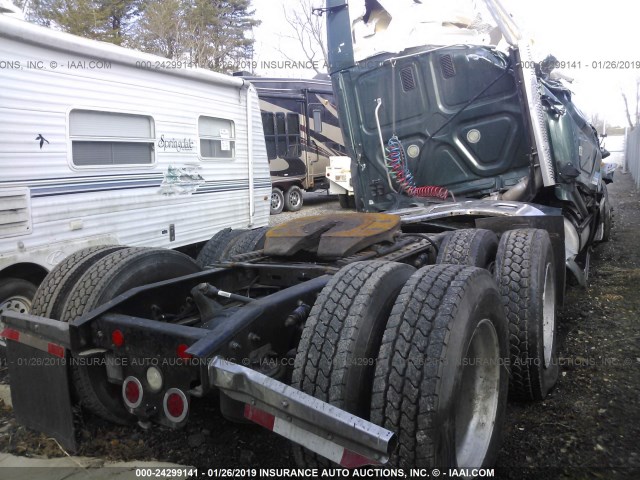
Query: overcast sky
{"x": 574, "y": 30}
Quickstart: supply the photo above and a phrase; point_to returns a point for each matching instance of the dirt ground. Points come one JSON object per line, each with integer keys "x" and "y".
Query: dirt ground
{"x": 589, "y": 426}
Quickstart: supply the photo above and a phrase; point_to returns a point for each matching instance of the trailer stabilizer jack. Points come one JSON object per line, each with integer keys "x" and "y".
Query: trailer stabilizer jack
{"x": 322, "y": 428}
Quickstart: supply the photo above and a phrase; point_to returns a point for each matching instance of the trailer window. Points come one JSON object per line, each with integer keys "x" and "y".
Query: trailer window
{"x": 281, "y": 134}
{"x": 107, "y": 138}
{"x": 217, "y": 137}
{"x": 317, "y": 120}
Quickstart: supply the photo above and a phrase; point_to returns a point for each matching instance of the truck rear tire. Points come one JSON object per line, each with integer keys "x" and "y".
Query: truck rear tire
{"x": 525, "y": 274}
{"x": 475, "y": 247}
{"x": 293, "y": 199}
{"x": 607, "y": 221}
{"x": 103, "y": 281}
{"x": 277, "y": 201}
{"x": 336, "y": 356}
{"x": 216, "y": 245}
{"x": 346, "y": 201}
{"x": 441, "y": 379}
{"x": 247, "y": 241}
{"x": 54, "y": 289}
{"x": 16, "y": 294}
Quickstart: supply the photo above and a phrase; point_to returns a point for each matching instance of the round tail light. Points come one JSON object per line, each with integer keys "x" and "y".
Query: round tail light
{"x": 132, "y": 392}
{"x": 176, "y": 405}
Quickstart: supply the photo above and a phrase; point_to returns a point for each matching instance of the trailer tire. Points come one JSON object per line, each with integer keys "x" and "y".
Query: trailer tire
{"x": 214, "y": 248}
{"x": 277, "y": 201}
{"x": 16, "y": 294}
{"x": 336, "y": 355}
{"x": 293, "y": 198}
{"x": 54, "y": 289}
{"x": 525, "y": 274}
{"x": 474, "y": 247}
{"x": 446, "y": 408}
{"x": 103, "y": 281}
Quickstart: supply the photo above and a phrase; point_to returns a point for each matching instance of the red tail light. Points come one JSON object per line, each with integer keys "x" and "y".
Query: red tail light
{"x": 176, "y": 405}
{"x": 117, "y": 337}
{"x": 132, "y": 392}
{"x": 181, "y": 351}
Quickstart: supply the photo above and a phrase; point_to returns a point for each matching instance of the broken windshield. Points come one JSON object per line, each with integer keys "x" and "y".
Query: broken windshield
{"x": 391, "y": 26}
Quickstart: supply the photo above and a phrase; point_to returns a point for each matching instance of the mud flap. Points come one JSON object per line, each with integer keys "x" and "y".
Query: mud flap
{"x": 40, "y": 392}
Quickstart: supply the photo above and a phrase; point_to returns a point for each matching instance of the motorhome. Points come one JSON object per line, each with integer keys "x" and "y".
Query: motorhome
{"x": 301, "y": 132}
{"x": 104, "y": 145}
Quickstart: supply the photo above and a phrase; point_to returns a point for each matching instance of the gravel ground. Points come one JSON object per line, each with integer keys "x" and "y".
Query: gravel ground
{"x": 588, "y": 427}
{"x": 315, "y": 203}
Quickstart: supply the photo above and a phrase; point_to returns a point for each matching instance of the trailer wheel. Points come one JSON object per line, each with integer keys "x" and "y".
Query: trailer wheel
{"x": 16, "y": 295}
{"x": 336, "y": 356}
{"x": 277, "y": 201}
{"x": 474, "y": 247}
{"x": 215, "y": 247}
{"x": 293, "y": 198}
{"x": 441, "y": 376}
{"x": 525, "y": 274}
{"x": 54, "y": 289}
{"x": 103, "y": 281}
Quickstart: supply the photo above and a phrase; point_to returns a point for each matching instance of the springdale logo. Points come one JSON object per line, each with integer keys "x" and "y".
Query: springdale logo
{"x": 179, "y": 145}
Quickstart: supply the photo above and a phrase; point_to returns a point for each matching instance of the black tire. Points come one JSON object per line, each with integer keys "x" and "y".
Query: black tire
{"x": 16, "y": 295}
{"x": 277, "y": 201}
{"x": 54, "y": 289}
{"x": 103, "y": 281}
{"x": 336, "y": 355}
{"x": 428, "y": 385}
{"x": 525, "y": 274}
{"x": 346, "y": 201}
{"x": 247, "y": 241}
{"x": 607, "y": 221}
{"x": 293, "y": 199}
{"x": 215, "y": 247}
{"x": 474, "y": 247}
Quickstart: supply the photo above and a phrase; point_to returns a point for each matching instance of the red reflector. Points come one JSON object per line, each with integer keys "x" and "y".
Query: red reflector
{"x": 117, "y": 337}
{"x": 181, "y": 351}
{"x": 259, "y": 416}
{"x": 354, "y": 460}
{"x": 175, "y": 405}
{"x": 56, "y": 350}
{"x": 132, "y": 392}
{"x": 10, "y": 334}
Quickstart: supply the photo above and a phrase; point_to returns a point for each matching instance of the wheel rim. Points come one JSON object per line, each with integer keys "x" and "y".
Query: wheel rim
{"x": 275, "y": 201}
{"x": 17, "y": 303}
{"x": 477, "y": 404}
{"x": 548, "y": 315}
{"x": 294, "y": 198}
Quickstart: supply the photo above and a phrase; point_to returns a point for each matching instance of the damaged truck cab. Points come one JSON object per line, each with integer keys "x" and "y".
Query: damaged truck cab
{"x": 388, "y": 336}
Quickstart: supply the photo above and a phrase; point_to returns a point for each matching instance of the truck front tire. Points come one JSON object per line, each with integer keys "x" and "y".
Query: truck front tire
{"x": 441, "y": 378}
{"x": 525, "y": 274}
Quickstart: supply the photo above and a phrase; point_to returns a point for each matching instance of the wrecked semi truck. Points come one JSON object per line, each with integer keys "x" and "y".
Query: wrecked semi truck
{"x": 392, "y": 335}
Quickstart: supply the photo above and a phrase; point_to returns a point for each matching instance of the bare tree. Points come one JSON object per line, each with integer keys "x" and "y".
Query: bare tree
{"x": 309, "y": 32}
{"x": 634, "y": 105}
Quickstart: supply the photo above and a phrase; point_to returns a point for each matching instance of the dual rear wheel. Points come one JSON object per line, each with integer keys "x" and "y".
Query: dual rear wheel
{"x": 433, "y": 354}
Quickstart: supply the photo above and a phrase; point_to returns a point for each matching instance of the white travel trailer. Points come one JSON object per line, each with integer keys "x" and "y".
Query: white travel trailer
{"x": 104, "y": 145}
